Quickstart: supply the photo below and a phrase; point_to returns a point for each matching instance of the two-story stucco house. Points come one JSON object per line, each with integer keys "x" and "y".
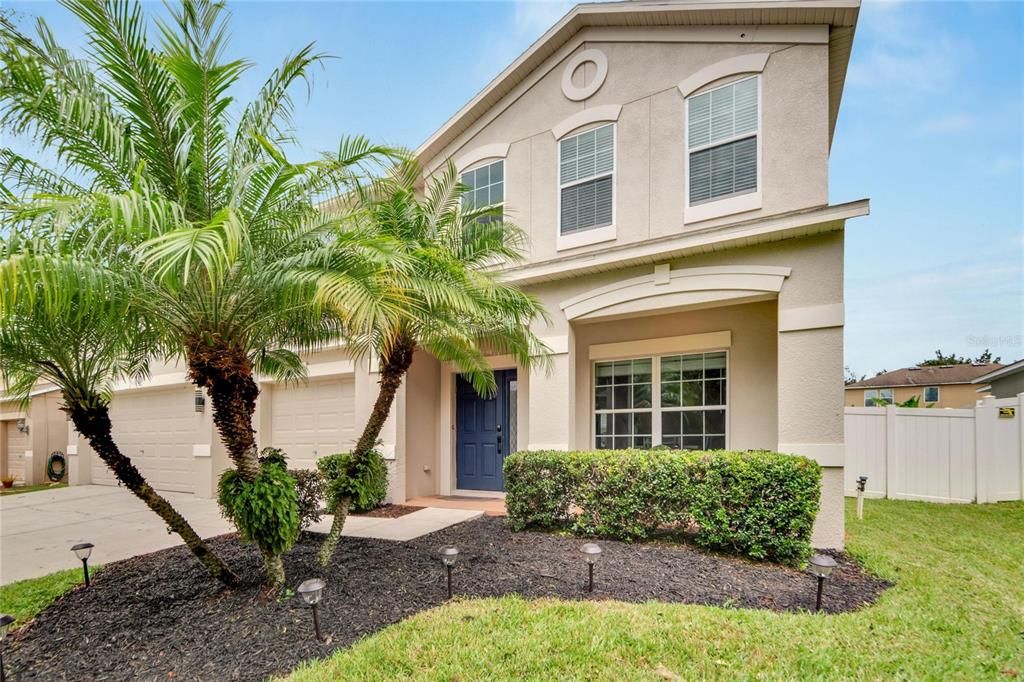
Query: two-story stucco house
{"x": 669, "y": 162}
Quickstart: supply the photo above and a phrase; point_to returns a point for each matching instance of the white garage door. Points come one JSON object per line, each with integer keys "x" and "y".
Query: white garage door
{"x": 17, "y": 444}
{"x": 313, "y": 420}
{"x": 156, "y": 429}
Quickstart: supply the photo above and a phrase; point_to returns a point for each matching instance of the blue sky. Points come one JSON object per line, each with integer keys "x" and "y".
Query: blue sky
{"x": 931, "y": 129}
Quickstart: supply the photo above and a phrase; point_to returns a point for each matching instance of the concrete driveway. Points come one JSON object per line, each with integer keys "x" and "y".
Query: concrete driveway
{"x": 37, "y": 529}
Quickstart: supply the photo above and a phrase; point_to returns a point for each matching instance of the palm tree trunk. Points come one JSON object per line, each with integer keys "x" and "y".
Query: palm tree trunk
{"x": 394, "y": 366}
{"x": 227, "y": 374}
{"x": 337, "y": 525}
{"x": 94, "y": 424}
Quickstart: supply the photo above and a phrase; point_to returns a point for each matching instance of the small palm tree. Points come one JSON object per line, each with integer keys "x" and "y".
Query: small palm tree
{"x": 211, "y": 212}
{"x": 445, "y": 297}
{"x": 69, "y": 322}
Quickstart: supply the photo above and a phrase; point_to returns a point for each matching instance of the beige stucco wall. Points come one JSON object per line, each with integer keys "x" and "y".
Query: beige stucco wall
{"x": 650, "y": 154}
{"x": 950, "y": 395}
{"x": 422, "y": 409}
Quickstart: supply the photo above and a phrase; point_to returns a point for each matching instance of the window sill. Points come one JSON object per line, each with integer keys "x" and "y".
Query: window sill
{"x": 585, "y": 238}
{"x": 722, "y": 207}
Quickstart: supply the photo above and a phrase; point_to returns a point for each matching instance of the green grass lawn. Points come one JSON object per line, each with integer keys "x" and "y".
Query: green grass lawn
{"x": 17, "y": 490}
{"x": 956, "y": 612}
{"x": 25, "y": 598}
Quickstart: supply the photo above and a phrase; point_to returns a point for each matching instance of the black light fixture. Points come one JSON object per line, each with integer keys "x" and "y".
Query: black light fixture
{"x": 200, "y": 400}
{"x": 820, "y": 567}
{"x": 82, "y": 550}
{"x": 5, "y": 622}
{"x": 591, "y": 553}
{"x": 449, "y": 555}
{"x": 312, "y": 591}
{"x": 862, "y": 484}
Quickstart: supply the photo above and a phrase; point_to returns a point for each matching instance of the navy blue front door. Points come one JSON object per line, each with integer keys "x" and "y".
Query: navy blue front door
{"x": 482, "y": 434}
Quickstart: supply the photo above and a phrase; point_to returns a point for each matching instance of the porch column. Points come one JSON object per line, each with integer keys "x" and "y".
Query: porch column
{"x": 552, "y": 395}
{"x": 810, "y": 405}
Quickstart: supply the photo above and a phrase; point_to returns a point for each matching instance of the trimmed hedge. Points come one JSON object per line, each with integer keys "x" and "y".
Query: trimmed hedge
{"x": 757, "y": 503}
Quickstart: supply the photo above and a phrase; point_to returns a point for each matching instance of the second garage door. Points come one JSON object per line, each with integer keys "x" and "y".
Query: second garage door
{"x": 313, "y": 420}
{"x": 156, "y": 429}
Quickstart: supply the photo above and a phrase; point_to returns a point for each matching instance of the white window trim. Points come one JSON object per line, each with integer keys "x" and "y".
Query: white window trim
{"x": 594, "y": 235}
{"x": 504, "y": 182}
{"x": 716, "y": 208}
{"x": 938, "y": 394}
{"x": 877, "y": 394}
{"x": 655, "y": 409}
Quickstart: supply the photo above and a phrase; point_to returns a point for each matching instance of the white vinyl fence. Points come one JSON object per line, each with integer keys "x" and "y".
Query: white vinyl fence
{"x": 938, "y": 455}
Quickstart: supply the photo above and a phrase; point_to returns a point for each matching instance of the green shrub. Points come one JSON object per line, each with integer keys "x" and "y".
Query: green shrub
{"x": 365, "y": 481}
{"x": 309, "y": 487}
{"x": 757, "y": 503}
{"x": 266, "y": 511}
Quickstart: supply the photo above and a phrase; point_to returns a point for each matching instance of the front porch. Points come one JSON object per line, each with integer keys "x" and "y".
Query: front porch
{"x": 704, "y": 357}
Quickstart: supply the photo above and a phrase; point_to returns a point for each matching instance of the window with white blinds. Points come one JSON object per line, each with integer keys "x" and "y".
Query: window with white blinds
{"x": 586, "y": 179}
{"x": 722, "y": 129}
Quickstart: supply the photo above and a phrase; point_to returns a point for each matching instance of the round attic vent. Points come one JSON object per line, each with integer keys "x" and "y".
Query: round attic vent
{"x": 581, "y": 92}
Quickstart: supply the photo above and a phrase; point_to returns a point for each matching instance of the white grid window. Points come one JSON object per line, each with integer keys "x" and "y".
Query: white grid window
{"x": 677, "y": 400}
{"x": 931, "y": 394}
{"x": 586, "y": 169}
{"x": 873, "y": 395}
{"x": 722, "y": 129}
{"x": 485, "y": 186}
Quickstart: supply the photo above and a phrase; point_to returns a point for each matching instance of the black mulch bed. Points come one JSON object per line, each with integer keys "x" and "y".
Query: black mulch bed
{"x": 159, "y": 616}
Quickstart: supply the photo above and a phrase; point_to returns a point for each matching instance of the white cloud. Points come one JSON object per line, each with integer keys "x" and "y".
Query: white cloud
{"x": 1001, "y": 165}
{"x": 949, "y": 123}
{"x": 898, "y": 50}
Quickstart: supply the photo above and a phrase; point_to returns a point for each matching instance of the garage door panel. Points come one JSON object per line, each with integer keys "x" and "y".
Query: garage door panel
{"x": 17, "y": 444}
{"x": 313, "y": 420}
{"x": 156, "y": 429}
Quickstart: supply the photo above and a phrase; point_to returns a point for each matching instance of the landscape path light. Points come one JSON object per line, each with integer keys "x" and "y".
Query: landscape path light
{"x": 821, "y": 566}
{"x": 5, "y": 622}
{"x": 591, "y": 553}
{"x": 312, "y": 591}
{"x": 82, "y": 550}
{"x": 449, "y": 555}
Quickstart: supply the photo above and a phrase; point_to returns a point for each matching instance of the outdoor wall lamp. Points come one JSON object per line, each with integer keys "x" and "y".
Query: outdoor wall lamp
{"x": 820, "y": 567}
{"x": 5, "y": 622}
{"x": 82, "y": 550}
{"x": 591, "y": 553}
{"x": 449, "y": 555}
{"x": 22, "y": 425}
{"x": 862, "y": 484}
{"x": 312, "y": 591}
{"x": 200, "y": 400}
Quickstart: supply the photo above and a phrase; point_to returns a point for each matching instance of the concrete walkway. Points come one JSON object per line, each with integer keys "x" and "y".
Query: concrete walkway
{"x": 37, "y": 529}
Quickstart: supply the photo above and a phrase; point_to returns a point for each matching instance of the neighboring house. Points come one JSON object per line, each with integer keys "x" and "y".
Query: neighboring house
{"x": 669, "y": 162}
{"x": 935, "y": 385}
{"x": 1002, "y": 382}
{"x": 29, "y": 434}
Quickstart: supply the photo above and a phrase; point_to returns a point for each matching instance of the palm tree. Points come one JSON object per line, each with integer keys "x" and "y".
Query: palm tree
{"x": 447, "y": 298}
{"x": 70, "y": 322}
{"x": 214, "y": 215}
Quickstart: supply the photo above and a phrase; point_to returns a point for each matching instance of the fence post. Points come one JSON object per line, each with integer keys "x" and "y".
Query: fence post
{"x": 984, "y": 449}
{"x": 1020, "y": 439}
{"x": 891, "y": 453}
